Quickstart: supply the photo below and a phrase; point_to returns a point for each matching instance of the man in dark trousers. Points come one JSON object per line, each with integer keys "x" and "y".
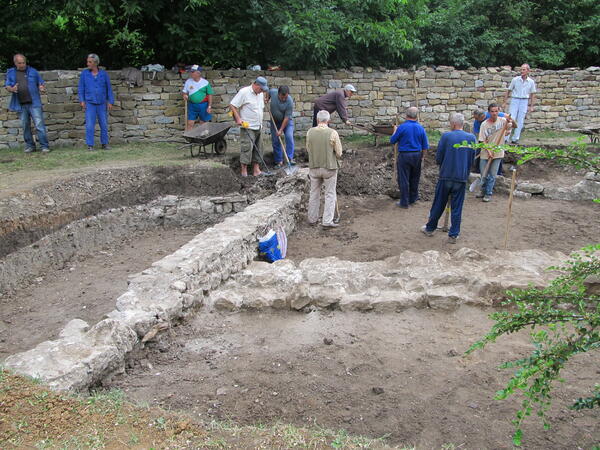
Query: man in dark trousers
{"x": 334, "y": 101}
{"x": 454, "y": 174}
{"x": 412, "y": 143}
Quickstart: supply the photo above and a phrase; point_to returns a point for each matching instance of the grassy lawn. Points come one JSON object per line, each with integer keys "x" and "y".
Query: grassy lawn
{"x": 66, "y": 158}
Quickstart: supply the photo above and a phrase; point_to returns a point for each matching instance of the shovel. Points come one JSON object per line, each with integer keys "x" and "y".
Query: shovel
{"x": 289, "y": 170}
{"x": 268, "y": 172}
{"x": 479, "y": 181}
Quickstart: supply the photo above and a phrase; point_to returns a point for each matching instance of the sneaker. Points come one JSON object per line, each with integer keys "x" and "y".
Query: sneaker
{"x": 400, "y": 205}
{"x": 292, "y": 162}
{"x": 105, "y": 147}
{"x": 487, "y": 198}
{"x": 45, "y": 150}
{"x": 480, "y": 195}
{"x": 279, "y": 164}
{"x": 29, "y": 150}
{"x": 425, "y": 231}
{"x": 330, "y": 225}
{"x": 91, "y": 148}
{"x": 515, "y": 142}
{"x": 452, "y": 239}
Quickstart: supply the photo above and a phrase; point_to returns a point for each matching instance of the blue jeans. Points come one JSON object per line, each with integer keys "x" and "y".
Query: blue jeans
{"x": 27, "y": 113}
{"x": 409, "y": 173}
{"x": 487, "y": 184}
{"x": 445, "y": 189}
{"x": 95, "y": 112}
{"x": 289, "y": 141}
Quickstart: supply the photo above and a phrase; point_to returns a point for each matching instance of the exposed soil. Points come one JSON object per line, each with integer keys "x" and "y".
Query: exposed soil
{"x": 373, "y": 228}
{"x": 401, "y": 375}
{"x": 86, "y": 288}
{"x": 379, "y": 374}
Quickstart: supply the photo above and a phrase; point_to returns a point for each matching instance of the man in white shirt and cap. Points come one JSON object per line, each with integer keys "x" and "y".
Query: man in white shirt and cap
{"x": 247, "y": 107}
{"x": 522, "y": 89}
{"x": 334, "y": 101}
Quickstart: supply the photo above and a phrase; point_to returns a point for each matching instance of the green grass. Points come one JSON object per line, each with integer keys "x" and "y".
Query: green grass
{"x": 550, "y": 134}
{"x": 66, "y": 158}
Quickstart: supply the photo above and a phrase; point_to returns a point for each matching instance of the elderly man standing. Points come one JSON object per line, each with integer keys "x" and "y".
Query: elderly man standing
{"x": 25, "y": 85}
{"x": 324, "y": 152}
{"x": 197, "y": 92}
{"x": 412, "y": 144}
{"x": 521, "y": 88}
{"x": 454, "y": 165}
{"x": 247, "y": 107}
{"x": 282, "y": 110}
{"x": 334, "y": 101}
{"x": 96, "y": 98}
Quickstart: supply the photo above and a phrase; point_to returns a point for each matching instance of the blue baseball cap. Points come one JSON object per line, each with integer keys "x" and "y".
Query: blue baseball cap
{"x": 262, "y": 82}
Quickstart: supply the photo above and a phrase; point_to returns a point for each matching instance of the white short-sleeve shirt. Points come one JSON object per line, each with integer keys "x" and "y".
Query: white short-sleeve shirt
{"x": 522, "y": 88}
{"x": 250, "y": 106}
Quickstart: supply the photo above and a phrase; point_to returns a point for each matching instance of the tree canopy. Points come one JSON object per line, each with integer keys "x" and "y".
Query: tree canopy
{"x": 308, "y": 34}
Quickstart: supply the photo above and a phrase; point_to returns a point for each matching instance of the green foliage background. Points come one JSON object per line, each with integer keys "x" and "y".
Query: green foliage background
{"x": 309, "y": 34}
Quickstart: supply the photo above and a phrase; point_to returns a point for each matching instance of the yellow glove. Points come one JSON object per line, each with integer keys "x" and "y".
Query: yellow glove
{"x": 245, "y": 124}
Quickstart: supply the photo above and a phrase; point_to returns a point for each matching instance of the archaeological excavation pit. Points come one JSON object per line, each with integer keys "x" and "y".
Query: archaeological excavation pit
{"x": 361, "y": 328}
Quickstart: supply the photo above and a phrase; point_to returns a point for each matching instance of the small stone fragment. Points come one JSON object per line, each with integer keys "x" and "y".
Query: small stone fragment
{"x": 377, "y": 390}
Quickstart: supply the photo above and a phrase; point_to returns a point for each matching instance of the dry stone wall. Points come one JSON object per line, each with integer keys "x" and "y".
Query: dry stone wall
{"x": 568, "y": 98}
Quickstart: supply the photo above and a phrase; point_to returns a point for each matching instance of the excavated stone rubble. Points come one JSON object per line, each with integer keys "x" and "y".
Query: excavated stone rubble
{"x": 83, "y": 356}
{"x": 430, "y": 279}
{"x": 217, "y": 270}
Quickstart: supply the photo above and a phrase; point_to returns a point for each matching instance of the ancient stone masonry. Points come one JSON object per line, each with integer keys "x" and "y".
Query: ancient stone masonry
{"x": 79, "y": 237}
{"x": 568, "y": 98}
{"x": 430, "y": 279}
{"x": 83, "y": 355}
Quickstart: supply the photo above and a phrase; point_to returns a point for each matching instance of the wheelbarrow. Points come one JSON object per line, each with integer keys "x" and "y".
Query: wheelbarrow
{"x": 207, "y": 134}
{"x": 376, "y": 130}
{"x": 593, "y": 133}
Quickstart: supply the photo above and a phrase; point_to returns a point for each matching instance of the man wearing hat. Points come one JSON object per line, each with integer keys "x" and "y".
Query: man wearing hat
{"x": 197, "y": 92}
{"x": 334, "y": 101}
{"x": 247, "y": 107}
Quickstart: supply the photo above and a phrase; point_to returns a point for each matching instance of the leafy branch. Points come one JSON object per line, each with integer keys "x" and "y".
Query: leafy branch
{"x": 564, "y": 319}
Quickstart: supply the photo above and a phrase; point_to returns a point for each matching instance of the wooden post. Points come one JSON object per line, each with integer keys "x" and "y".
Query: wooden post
{"x": 510, "y": 200}
{"x": 185, "y": 119}
{"x": 415, "y": 88}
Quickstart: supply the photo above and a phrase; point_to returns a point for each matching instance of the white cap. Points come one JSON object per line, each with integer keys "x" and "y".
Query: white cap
{"x": 350, "y": 88}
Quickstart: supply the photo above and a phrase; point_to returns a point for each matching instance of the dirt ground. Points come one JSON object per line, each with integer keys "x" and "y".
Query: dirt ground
{"x": 395, "y": 375}
{"x": 86, "y": 288}
{"x": 399, "y": 375}
{"x": 373, "y": 228}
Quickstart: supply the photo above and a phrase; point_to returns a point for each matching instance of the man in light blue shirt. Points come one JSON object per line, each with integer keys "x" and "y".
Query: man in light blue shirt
{"x": 522, "y": 89}
{"x": 25, "y": 85}
{"x": 282, "y": 110}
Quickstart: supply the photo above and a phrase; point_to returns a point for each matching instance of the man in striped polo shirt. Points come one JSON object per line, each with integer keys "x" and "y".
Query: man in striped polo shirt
{"x": 198, "y": 93}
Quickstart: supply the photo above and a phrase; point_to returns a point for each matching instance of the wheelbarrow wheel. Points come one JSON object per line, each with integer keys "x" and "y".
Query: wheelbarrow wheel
{"x": 220, "y": 147}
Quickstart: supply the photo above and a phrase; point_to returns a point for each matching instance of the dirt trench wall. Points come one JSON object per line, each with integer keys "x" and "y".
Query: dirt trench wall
{"x": 82, "y": 355}
{"x": 83, "y": 236}
{"x": 568, "y": 98}
{"x": 29, "y": 216}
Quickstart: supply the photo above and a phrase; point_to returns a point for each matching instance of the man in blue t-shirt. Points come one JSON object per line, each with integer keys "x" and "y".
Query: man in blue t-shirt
{"x": 412, "y": 143}
{"x": 282, "y": 110}
{"x": 454, "y": 174}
